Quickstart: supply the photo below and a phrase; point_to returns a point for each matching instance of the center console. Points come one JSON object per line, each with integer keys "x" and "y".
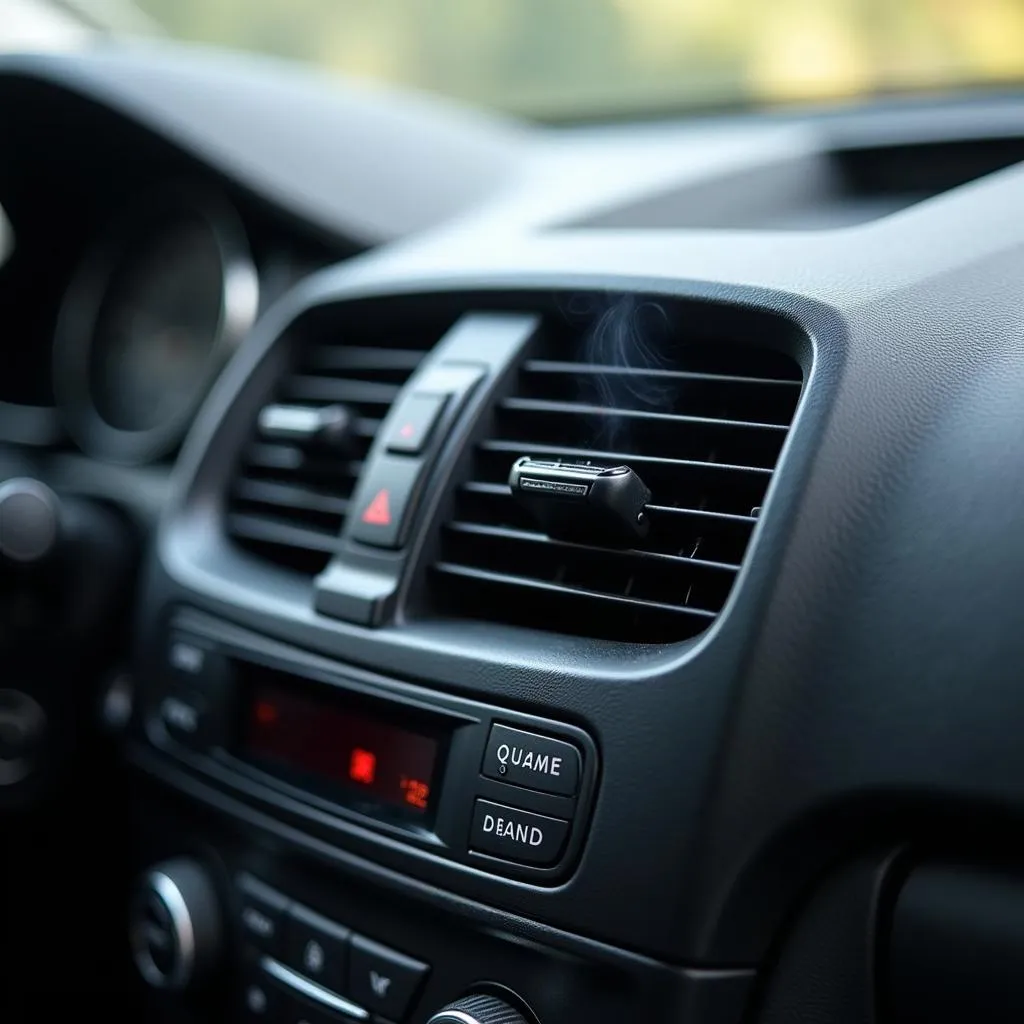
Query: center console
{"x": 293, "y": 779}
{"x": 405, "y": 752}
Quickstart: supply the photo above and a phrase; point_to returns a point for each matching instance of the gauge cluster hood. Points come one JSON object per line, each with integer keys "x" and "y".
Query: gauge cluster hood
{"x": 367, "y": 163}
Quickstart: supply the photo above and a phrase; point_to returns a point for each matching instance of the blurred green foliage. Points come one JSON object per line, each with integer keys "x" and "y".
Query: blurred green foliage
{"x": 569, "y": 58}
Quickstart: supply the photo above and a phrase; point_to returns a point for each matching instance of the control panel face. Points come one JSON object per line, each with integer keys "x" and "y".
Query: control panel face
{"x": 337, "y": 750}
{"x": 296, "y": 961}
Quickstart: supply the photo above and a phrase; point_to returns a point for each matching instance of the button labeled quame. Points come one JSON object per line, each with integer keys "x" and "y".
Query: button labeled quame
{"x": 536, "y": 762}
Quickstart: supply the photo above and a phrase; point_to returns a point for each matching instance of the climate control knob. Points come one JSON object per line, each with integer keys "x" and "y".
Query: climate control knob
{"x": 176, "y": 931}
{"x": 30, "y": 515}
{"x": 479, "y": 1009}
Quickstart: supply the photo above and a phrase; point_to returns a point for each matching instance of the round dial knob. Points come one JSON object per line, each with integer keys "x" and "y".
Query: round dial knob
{"x": 22, "y": 732}
{"x": 176, "y": 934}
{"x": 480, "y": 1009}
{"x": 29, "y": 520}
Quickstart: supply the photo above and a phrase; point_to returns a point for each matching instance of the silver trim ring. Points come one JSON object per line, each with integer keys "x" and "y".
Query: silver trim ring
{"x": 167, "y": 891}
{"x": 452, "y": 1017}
{"x": 310, "y": 989}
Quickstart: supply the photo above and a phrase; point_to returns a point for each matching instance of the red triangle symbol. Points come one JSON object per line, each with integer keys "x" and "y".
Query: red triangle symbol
{"x": 378, "y": 512}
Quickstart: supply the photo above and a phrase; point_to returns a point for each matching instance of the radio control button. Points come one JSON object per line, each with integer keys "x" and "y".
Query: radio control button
{"x": 535, "y": 762}
{"x": 186, "y": 719}
{"x": 260, "y": 997}
{"x": 382, "y": 980}
{"x": 262, "y": 915}
{"x": 516, "y": 835}
{"x": 317, "y": 948}
{"x": 194, "y": 664}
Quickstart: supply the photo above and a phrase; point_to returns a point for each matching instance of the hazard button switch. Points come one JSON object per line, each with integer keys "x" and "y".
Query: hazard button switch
{"x": 383, "y": 502}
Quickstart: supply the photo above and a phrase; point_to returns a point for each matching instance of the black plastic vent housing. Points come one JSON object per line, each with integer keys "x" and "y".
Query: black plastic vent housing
{"x": 701, "y": 419}
{"x": 289, "y": 497}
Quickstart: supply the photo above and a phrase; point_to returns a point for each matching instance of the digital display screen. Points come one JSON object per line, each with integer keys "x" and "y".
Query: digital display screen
{"x": 343, "y": 753}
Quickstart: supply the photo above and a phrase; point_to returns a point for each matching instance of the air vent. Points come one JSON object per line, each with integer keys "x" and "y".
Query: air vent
{"x": 292, "y": 491}
{"x": 702, "y": 421}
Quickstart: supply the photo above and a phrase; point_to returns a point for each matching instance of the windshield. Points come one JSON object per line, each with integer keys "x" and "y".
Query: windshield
{"x": 599, "y": 58}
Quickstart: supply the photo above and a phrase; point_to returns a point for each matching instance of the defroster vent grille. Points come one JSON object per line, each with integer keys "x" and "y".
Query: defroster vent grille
{"x": 701, "y": 421}
{"x": 290, "y": 495}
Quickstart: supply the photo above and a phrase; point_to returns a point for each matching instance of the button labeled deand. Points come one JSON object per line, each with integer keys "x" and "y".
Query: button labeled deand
{"x": 317, "y": 948}
{"x": 262, "y": 915}
{"x": 516, "y": 835}
{"x": 383, "y": 501}
{"x": 536, "y": 762}
{"x": 383, "y": 980}
{"x": 413, "y": 422}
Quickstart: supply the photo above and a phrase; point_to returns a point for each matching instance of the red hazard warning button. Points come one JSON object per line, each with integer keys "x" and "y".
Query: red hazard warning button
{"x": 378, "y": 512}
{"x": 383, "y": 501}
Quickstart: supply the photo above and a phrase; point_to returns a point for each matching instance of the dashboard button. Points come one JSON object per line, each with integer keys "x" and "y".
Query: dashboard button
{"x": 536, "y": 762}
{"x": 184, "y": 716}
{"x": 260, "y": 998}
{"x": 414, "y": 421}
{"x": 382, "y": 980}
{"x": 517, "y": 835}
{"x": 193, "y": 663}
{"x": 262, "y": 914}
{"x": 383, "y": 501}
{"x": 317, "y": 948}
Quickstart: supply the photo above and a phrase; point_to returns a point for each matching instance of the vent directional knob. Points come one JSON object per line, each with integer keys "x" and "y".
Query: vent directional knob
{"x": 479, "y": 1009}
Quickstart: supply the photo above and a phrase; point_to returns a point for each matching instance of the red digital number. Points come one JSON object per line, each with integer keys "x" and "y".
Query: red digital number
{"x": 417, "y": 793}
{"x": 362, "y": 767}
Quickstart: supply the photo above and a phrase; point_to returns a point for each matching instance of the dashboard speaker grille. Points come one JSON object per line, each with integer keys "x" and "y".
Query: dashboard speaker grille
{"x": 701, "y": 421}
{"x": 291, "y": 494}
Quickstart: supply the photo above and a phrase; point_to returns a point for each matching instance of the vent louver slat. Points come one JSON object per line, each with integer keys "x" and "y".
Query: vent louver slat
{"x": 702, "y": 422}
{"x": 290, "y": 496}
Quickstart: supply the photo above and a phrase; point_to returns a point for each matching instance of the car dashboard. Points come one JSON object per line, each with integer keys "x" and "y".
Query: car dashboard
{"x": 457, "y": 570}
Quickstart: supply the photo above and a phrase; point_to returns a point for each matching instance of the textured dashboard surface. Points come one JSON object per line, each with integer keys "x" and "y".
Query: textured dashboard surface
{"x": 842, "y": 686}
{"x": 864, "y": 674}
